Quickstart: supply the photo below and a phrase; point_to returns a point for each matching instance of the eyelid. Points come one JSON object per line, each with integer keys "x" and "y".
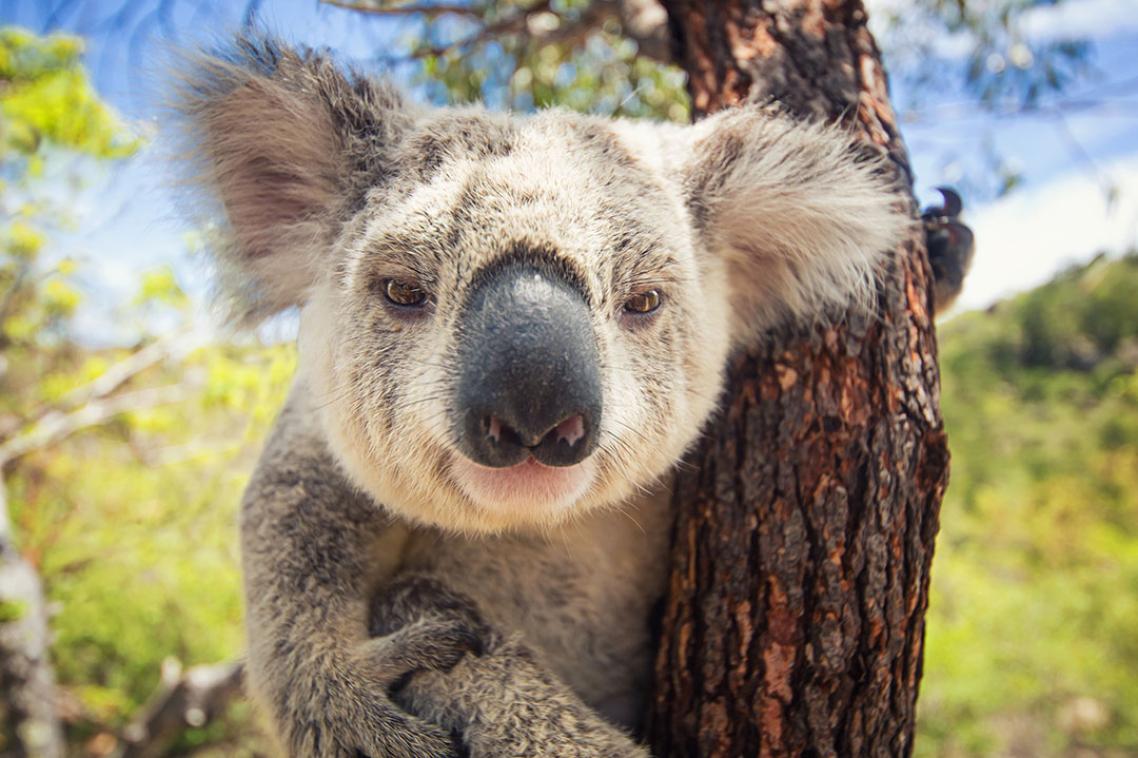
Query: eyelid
{"x": 663, "y": 285}
{"x": 400, "y": 259}
{"x": 404, "y": 272}
{"x": 662, "y": 277}
{"x": 661, "y": 294}
{"x": 379, "y": 271}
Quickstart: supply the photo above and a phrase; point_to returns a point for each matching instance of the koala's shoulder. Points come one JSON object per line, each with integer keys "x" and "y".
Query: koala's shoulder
{"x": 296, "y": 464}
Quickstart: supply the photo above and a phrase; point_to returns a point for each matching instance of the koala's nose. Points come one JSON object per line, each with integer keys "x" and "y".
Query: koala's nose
{"x": 529, "y": 374}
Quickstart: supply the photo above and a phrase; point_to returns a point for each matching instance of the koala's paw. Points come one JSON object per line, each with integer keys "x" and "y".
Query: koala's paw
{"x": 506, "y": 704}
{"x": 430, "y": 642}
{"x": 346, "y": 719}
{"x": 349, "y": 710}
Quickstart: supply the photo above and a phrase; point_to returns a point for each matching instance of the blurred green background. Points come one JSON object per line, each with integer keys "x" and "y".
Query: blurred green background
{"x": 123, "y": 454}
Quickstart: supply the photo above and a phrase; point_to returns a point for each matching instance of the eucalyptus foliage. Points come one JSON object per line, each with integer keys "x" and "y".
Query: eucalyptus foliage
{"x": 1031, "y": 647}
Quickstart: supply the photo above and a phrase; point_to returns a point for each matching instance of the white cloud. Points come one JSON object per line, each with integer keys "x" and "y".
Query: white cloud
{"x": 913, "y": 34}
{"x": 1096, "y": 20}
{"x": 1081, "y": 18}
{"x": 1025, "y": 238}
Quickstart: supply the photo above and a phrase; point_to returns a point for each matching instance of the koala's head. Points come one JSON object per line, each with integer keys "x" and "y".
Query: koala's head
{"x": 510, "y": 320}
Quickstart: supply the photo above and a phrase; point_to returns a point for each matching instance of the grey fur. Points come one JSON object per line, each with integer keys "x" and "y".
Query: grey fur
{"x": 951, "y": 247}
{"x": 513, "y": 626}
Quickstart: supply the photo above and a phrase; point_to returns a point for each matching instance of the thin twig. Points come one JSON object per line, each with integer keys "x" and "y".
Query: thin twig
{"x": 432, "y": 10}
{"x": 112, "y": 379}
{"x": 1081, "y": 154}
{"x": 513, "y": 24}
{"x": 57, "y": 426}
{"x": 10, "y": 294}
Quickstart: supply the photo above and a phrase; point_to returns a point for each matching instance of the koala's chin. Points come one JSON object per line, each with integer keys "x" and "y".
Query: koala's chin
{"x": 446, "y": 490}
{"x": 525, "y": 489}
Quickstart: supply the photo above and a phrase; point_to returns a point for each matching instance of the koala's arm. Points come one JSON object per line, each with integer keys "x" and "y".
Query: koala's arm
{"x": 501, "y": 701}
{"x": 505, "y": 704}
{"x": 310, "y": 546}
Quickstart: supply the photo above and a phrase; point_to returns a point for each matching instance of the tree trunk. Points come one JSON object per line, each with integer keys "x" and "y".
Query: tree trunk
{"x": 794, "y": 621}
{"x": 29, "y": 727}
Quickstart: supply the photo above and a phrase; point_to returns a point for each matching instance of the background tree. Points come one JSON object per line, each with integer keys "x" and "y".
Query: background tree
{"x": 68, "y": 412}
{"x": 46, "y": 102}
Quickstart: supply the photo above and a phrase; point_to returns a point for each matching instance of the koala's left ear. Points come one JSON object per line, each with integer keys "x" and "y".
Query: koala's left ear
{"x": 801, "y": 215}
{"x": 286, "y": 143}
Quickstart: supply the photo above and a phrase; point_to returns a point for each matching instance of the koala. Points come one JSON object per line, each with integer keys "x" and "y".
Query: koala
{"x": 951, "y": 246}
{"x": 511, "y": 329}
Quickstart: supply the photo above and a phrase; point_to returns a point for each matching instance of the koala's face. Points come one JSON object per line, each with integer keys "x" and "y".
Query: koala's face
{"x": 509, "y": 321}
{"x": 519, "y": 326}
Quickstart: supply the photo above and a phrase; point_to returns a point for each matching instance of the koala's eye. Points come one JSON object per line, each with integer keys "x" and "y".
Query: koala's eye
{"x": 643, "y": 302}
{"x": 403, "y": 293}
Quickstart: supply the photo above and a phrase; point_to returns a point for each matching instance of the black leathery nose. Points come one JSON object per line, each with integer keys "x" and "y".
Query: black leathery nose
{"x": 529, "y": 373}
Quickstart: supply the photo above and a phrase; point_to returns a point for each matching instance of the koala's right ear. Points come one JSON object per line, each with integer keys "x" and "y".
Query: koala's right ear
{"x": 801, "y": 215}
{"x": 287, "y": 143}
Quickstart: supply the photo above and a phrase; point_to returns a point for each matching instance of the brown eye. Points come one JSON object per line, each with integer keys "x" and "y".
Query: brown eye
{"x": 643, "y": 302}
{"x": 406, "y": 294}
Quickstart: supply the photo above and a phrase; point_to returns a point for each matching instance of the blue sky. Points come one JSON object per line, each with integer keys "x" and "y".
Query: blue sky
{"x": 1059, "y": 214}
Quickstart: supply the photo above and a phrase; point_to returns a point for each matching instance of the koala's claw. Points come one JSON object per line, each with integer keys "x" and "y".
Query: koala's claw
{"x": 362, "y": 724}
{"x": 951, "y": 205}
{"x": 420, "y": 627}
{"x": 428, "y": 643}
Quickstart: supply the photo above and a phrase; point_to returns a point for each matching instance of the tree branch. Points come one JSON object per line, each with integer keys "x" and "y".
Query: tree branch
{"x": 27, "y": 682}
{"x": 513, "y": 24}
{"x": 126, "y": 369}
{"x": 182, "y": 699}
{"x": 108, "y": 382}
{"x": 57, "y": 426}
{"x": 431, "y": 10}
{"x": 643, "y": 21}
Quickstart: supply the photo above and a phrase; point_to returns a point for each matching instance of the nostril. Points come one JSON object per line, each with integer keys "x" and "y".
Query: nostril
{"x": 569, "y": 442}
{"x": 571, "y": 430}
{"x": 501, "y": 433}
{"x": 489, "y": 440}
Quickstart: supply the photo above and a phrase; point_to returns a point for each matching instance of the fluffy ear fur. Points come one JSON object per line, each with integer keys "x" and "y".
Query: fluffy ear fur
{"x": 287, "y": 143}
{"x": 800, "y": 214}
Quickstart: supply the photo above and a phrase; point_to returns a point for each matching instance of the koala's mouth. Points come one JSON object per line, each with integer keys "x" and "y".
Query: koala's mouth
{"x": 530, "y": 488}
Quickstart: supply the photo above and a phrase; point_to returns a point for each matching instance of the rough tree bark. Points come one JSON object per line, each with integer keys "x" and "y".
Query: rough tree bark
{"x": 794, "y": 623}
